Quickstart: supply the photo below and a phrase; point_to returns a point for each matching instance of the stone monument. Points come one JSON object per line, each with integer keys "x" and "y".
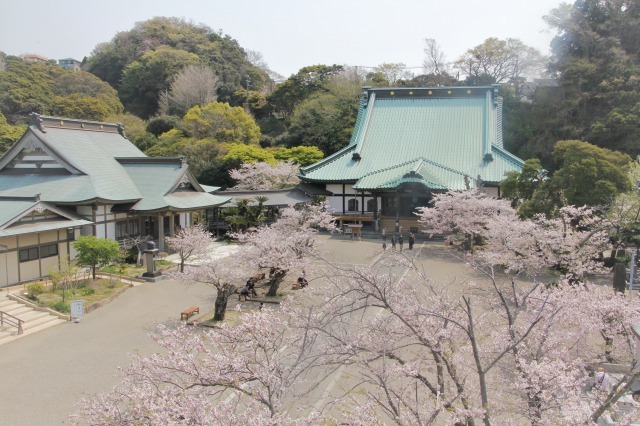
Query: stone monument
{"x": 152, "y": 273}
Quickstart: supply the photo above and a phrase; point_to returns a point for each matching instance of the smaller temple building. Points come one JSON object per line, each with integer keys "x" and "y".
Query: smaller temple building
{"x": 409, "y": 143}
{"x": 65, "y": 178}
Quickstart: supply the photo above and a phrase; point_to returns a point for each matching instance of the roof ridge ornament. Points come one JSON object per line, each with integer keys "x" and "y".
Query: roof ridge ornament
{"x": 120, "y": 130}
{"x": 36, "y": 120}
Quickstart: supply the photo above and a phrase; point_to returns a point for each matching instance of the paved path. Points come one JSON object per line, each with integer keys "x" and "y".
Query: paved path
{"x": 42, "y": 376}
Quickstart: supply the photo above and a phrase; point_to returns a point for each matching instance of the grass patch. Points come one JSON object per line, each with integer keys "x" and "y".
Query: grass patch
{"x": 131, "y": 270}
{"x": 88, "y": 291}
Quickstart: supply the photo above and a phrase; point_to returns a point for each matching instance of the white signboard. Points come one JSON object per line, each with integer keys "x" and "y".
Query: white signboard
{"x": 77, "y": 308}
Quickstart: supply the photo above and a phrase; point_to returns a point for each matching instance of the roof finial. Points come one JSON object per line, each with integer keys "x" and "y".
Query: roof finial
{"x": 37, "y": 197}
{"x": 35, "y": 120}
{"x": 121, "y": 130}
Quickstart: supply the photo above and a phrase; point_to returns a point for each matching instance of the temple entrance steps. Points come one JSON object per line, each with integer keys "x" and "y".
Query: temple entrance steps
{"x": 34, "y": 321}
{"x": 389, "y": 223}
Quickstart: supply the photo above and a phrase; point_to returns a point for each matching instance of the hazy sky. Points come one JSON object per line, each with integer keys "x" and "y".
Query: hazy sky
{"x": 290, "y": 34}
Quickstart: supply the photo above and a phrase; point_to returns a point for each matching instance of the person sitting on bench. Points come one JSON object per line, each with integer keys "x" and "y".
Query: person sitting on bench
{"x": 302, "y": 282}
{"x": 251, "y": 284}
{"x": 245, "y": 292}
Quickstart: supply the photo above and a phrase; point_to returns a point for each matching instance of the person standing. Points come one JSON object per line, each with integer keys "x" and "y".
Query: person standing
{"x": 384, "y": 245}
{"x": 412, "y": 240}
{"x": 393, "y": 242}
{"x": 603, "y": 381}
{"x": 400, "y": 241}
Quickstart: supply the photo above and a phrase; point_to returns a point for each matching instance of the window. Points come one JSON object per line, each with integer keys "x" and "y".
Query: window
{"x": 352, "y": 205}
{"x": 27, "y": 255}
{"x": 371, "y": 205}
{"x": 121, "y": 229}
{"x": 49, "y": 250}
{"x": 133, "y": 227}
{"x": 71, "y": 234}
{"x": 127, "y": 228}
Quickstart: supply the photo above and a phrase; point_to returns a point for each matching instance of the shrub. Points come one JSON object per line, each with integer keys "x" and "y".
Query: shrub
{"x": 34, "y": 290}
{"x": 62, "y": 307}
{"x": 86, "y": 291}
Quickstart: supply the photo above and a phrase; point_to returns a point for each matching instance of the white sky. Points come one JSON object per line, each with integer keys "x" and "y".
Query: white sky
{"x": 290, "y": 34}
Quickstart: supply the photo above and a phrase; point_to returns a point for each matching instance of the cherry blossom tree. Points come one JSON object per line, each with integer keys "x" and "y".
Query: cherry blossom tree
{"x": 190, "y": 242}
{"x": 461, "y": 215}
{"x": 508, "y": 349}
{"x": 222, "y": 275}
{"x": 289, "y": 243}
{"x": 233, "y": 374}
{"x": 261, "y": 175}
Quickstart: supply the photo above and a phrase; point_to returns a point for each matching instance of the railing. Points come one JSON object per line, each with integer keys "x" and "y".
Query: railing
{"x": 11, "y": 320}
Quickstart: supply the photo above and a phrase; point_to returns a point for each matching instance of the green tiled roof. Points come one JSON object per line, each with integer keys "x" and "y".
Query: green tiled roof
{"x": 156, "y": 180}
{"x": 53, "y": 188}
{"x": 448, "y": 133}
{"x": 93, "y": 161}
{"x": 13, "y": 209}
{"x": 94, "y": 153}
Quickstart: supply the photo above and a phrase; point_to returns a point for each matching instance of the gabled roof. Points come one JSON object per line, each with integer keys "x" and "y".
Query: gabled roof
{"x": 27, "y": 215}
{"x": 167, "y": 184}
{"x": 70, "y": 161}
{"x": 451, "y": 132}
{"x": 71, "y": 148}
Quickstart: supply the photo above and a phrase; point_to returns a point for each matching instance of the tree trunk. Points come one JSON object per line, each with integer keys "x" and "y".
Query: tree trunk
{"x": 275, "y": 281}
{"x": 93, "y": 271}
{"x": 221, "y": 302}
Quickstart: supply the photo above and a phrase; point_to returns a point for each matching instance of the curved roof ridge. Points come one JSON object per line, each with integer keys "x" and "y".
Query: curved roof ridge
{"x": 327, "y": 160}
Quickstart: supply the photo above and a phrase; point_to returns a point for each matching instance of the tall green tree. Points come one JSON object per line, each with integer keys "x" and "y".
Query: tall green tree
{"x": 8, "y": 134}
{"x": 503, "y": 61}
{"x": 584, "y": 175}
{"x": 221, "y": 122}
{"x": 590, "y": 175}
{"x": 146, "y": 78}
{"x": 309, "y": 80}
{"x": 94, "y": 251}
{"x": 596, "y": 54}
{"x": 326, "y": 119}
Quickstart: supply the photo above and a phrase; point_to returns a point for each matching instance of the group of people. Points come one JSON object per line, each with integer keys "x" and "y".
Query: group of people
{"x": 249, "y": 289}
{"x": 398, "y": 242}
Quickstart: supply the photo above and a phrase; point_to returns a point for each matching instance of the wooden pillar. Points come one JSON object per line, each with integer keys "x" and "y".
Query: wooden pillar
{"x": 161, "y": 232}
{"x": 376, "y": 216}
{"x": 397, "y": 211}
{"x": 172, "y": 225}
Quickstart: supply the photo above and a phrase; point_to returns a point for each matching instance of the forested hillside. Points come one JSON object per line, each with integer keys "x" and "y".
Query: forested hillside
{"x": 184, "y": 89}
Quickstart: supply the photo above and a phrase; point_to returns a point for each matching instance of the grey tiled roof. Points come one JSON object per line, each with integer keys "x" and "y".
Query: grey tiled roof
{"x": 282, "y": 197}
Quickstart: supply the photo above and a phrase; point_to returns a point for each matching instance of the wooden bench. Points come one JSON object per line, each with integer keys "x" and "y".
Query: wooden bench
{"x": 184, "y": 316}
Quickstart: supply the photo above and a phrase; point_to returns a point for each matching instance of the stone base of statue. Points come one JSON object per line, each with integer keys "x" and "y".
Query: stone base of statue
{"x": 153, "y": 276}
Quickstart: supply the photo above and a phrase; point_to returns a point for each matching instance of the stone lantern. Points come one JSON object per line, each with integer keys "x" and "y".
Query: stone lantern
{"x": 150, "y": 254}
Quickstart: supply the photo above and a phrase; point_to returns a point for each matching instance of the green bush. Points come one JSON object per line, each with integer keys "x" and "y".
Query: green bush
{"x": 86, "y": 291}
{"x": 34, "y": 290}
{"x": 82, "y": 284}
{"x": 62, "y": 307}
